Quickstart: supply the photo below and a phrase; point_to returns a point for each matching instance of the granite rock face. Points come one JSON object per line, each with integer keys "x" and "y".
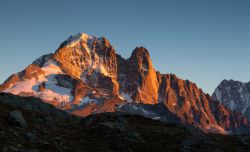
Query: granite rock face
{"x": 142, "y": 79}
{"x": 234, "y": 95}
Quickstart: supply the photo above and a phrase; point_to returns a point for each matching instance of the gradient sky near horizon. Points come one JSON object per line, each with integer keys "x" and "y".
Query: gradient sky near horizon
{"x": 204, "y": 41}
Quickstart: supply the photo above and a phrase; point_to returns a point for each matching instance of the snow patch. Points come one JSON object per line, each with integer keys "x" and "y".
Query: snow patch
{"x": 218, "y": 94}
{"x": 60, "y": 90}
{"x": 125, "y": 96}
{"x": 87, "y": 100}
{"x": 74, "y": 40}
{"x": 51, "y": 68}
{"x": 51, "y": 93}
{"x": 240, "y": 90}
{"x": 103, "y": 70}
{"x": 144, "y": 67}
{"x": 232, "y": 105}
{"x": 81, "y": 37}
{"x": 23, "y": 86}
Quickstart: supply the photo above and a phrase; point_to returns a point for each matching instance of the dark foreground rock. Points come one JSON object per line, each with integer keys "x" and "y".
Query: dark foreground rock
{"x": 16, "y": 118}
{"x": 51, "y": 130}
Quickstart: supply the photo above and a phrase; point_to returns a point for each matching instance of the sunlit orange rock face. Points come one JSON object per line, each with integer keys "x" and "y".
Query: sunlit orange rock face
{"x": 142, "y": 83}
{"x": 32, "y": 71}
{"x": 9, "y": 82}
{"x": 81, "y": 56}
{"x": 193, "y": 106}
{"x": 185, "y": 99}
{"x": 108, "y": 106}
{"x": 86, "y": 76}
{"x": 84, "y": 57}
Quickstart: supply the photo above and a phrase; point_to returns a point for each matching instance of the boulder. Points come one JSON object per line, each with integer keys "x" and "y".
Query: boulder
{"x": 16, "y": 118}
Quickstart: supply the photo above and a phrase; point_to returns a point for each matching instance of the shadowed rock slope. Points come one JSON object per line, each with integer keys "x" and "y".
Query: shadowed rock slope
{"x": 48, "y": 129}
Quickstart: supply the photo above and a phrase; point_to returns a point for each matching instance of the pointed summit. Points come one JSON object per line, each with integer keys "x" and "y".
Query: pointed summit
{"x": 142, "y": 76}
{"x": 79, "y": 37}
{"x": 82, "y": 55}
{"x": 140, "y": 58}
{"x": 140, "y": 50}
{"x": 76, "y": 39}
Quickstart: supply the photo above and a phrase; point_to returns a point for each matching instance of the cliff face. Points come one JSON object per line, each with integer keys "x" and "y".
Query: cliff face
{"x": 138, "y": 78}
{"x": 142, "y": 76}
{"x": 91, "y": 59}
{"x": 86, "y": 76}
{"x": 193, "y": 106}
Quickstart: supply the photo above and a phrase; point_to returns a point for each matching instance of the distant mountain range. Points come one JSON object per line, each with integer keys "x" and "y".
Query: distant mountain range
{"x": 234, "y": 95}
{"x": 85, "y": 76}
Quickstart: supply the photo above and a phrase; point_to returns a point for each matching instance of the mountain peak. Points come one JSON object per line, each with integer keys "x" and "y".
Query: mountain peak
{"x": 85, "y": 76}
{"x": 140, "y": 51}
{"x": 140, "y": 56}
{"x": 75, "y": 39}
{"x": 80, "y": 36}
{"x": 231, "y": 81}
{"x": 234, "y": 95}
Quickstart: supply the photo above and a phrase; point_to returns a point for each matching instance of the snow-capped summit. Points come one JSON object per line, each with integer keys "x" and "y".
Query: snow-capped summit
{"x": 80, "y": 37}
{"x": 86, "y": 76}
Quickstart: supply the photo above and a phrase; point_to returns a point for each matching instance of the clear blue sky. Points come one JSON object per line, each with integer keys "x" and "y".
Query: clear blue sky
{"x": 204, "y": 41}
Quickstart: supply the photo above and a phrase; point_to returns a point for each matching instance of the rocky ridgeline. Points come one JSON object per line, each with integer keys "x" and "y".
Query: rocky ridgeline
{"x": 30, "y": 125}
{"x": 85, "y": 76}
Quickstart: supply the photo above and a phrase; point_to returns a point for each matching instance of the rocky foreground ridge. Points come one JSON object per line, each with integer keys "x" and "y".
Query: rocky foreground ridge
{"x": 30, "y": 125}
